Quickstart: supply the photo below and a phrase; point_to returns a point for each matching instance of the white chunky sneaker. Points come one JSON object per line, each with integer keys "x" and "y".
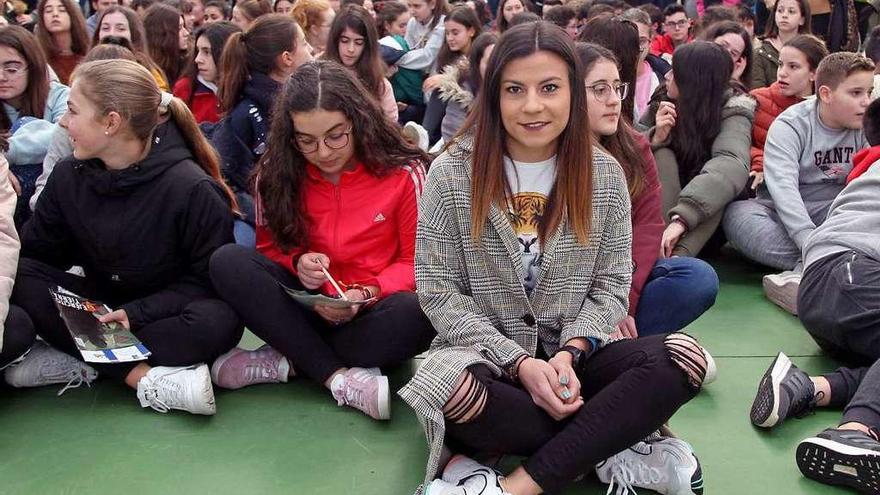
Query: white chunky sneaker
{"x": 465, "y": 476}
{"x": 667, "y": 466}
{"x": 185, "y": 388}
{"x": 44, "y": 365}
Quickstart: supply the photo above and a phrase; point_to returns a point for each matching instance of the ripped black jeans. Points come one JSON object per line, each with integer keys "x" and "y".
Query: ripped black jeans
{"x": 630, "y": 389}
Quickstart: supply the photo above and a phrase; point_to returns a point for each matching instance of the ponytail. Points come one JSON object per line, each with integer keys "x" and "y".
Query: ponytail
{"x": 235, "y": 73}
{"x": 255, "y": 50}
{"x": 205, "y": 155}
{"x": 127, "y": 88}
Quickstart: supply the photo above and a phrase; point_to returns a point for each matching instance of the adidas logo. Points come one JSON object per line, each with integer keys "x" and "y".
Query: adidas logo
{"x": 379, "y": 218}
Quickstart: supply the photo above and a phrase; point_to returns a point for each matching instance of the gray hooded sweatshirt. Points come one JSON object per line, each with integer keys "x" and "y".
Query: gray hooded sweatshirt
{"x": 853, "y": 222}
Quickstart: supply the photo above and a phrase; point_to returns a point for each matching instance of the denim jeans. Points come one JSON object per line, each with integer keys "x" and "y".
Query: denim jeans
{"x": 245, "y": 235}
{"x": 678, "y": 291}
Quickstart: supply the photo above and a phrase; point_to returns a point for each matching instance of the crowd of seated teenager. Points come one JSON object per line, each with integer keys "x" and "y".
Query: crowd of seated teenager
{"x": 530, "y": 197}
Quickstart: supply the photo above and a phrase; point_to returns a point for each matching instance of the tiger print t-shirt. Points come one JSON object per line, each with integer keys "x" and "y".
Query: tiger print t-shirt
{"x": 530, "y": 185}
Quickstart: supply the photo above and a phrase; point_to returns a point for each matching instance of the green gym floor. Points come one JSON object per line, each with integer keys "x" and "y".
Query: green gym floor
{"x": 291, "y": 438}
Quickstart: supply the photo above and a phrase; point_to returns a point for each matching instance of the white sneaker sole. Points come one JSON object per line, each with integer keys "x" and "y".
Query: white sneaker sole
{"x": 202, "y": 392}
{"x": 779, "y": 291}
{"x": 780, "y": 368}
{"x": 384, "y": 399}
{"x": 711, "y": 369}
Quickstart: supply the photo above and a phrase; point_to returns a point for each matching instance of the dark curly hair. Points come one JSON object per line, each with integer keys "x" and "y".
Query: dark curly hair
{"x": 281, "y": 172}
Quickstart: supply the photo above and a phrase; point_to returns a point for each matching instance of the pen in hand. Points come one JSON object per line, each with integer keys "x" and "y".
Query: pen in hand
{"x": 332, "y": 282}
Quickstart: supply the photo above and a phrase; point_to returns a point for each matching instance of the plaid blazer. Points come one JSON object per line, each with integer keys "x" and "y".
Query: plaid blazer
{"x": 473, "y": 292}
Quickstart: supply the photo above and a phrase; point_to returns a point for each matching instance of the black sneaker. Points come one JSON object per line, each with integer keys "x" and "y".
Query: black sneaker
{"x": 842, "y": 457}
{"x": 784, "y": 391}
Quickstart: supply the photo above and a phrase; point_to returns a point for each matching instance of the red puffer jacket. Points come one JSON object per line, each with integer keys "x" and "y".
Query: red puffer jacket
{"x": 204, "y": 106}
{"x": 366, "y": 225}
{"x": 770, "y": 104}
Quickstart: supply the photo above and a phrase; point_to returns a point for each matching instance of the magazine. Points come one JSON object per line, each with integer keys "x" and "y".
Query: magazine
{"x": 97, "y": 342}
{"x": 310, "y": 300}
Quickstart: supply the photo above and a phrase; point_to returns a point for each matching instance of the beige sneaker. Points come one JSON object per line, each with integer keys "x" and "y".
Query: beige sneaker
{"x": 782, "y": 290}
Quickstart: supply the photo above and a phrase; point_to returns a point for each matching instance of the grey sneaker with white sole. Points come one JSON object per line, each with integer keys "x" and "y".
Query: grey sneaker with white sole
{"x": 847, "y": 458}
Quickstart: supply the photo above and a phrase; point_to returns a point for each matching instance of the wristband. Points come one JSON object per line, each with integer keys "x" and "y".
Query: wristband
{"x": 513, "y": 370}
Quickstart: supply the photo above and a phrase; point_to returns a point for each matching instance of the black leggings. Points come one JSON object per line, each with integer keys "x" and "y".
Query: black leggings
{"x": 18, "y": 335}
{"x": 392, "y": 331}
{"x": 205, "y": 329}
{"x": 630, "y": 389}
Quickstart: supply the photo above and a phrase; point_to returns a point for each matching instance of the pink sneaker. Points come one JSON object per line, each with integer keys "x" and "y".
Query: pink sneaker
{"x": 239, "y": 368}
{"x": 365, "y": 390}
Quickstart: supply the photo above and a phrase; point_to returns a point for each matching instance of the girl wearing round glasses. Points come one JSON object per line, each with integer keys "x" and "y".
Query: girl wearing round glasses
{"x": 31, "y": 107}
{"x": 337, "y": 194}
{"x": 621, "y": 36}
{"x": 700, "y": 131}
{"x": 666, "y": 294}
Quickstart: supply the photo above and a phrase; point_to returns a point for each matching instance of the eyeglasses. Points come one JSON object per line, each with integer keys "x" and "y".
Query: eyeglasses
{"x": 13, "y": 71}
{"x": 602, "y": 91}
{"x": 644, "y": 43}
{"x": 676, "y": 24}
{"x": 333, "y": 141}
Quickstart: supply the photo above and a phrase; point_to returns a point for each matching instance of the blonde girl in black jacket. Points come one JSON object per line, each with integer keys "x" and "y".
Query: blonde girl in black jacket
{"x": 140, "y": 207}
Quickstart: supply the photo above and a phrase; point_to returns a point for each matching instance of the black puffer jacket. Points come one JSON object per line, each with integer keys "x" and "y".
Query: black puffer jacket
{"x": 143, "y": 235}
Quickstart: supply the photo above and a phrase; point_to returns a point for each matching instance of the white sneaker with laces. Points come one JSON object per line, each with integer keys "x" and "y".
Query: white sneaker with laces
{"x": 667, "y": 466}
{"x": 184, "y": 388}
{"x": 44, "y": 365}
{"x": 465, "y": 476}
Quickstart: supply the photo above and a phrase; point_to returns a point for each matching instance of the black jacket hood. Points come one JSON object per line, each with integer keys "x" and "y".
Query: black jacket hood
{"x": 261, "y": 89}
{"x": 168, "y": 148}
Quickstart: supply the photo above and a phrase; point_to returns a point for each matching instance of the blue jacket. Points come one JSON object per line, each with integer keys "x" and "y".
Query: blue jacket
{"x": 30, "y": 141}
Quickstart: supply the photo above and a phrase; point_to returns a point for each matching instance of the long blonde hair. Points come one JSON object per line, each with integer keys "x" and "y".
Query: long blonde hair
{"x": 127, "y": 88}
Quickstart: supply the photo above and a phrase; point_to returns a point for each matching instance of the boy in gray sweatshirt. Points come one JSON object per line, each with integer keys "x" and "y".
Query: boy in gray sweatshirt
{"x": 840, "y": 307}
{"x": 807, "y": 156}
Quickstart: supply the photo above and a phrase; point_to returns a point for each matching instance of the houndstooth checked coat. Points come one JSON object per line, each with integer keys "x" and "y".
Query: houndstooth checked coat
{"x": 474, "y": 296}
